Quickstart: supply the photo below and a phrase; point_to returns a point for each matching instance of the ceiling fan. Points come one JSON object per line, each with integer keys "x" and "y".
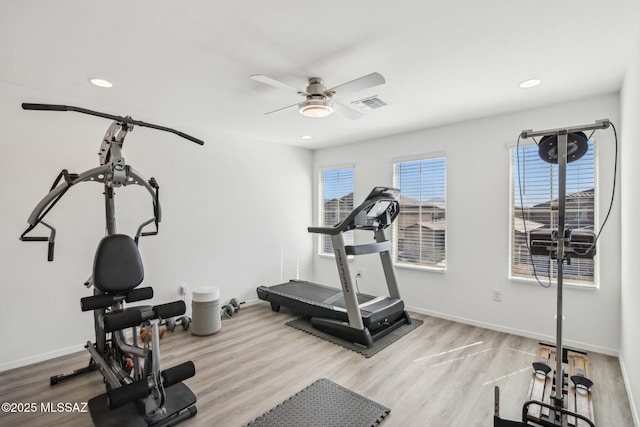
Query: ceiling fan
{"x": 320, "y": 101}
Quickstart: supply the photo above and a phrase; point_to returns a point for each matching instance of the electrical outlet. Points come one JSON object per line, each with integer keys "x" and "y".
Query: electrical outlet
{"x": 496, "y": 295}
{"x": 183, "y": 289}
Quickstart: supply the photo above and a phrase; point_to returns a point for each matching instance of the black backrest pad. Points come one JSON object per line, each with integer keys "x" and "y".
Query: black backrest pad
{"x": 117, "y": 266}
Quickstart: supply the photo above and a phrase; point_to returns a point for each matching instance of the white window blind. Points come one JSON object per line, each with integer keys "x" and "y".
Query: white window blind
{"x": 336, "y": 202}
{"x": 534, "y": 204}
{"x": 421, "y": 228}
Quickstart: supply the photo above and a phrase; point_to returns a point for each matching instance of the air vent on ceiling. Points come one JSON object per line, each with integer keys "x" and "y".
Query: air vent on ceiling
{"x": 370, "y": 103}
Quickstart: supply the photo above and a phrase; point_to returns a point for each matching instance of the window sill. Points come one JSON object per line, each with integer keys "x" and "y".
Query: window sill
{"x": 420, "y": 268}
{"x": 545, "y": 282}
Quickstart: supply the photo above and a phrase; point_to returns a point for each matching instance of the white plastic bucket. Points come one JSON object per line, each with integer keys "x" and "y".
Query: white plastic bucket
{"x": 205, "y": 311}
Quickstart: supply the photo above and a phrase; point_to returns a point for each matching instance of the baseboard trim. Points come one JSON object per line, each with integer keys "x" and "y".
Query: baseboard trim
{"x": 589, "y": 347}
{"x": 6, "y": 366}
{"x": 40, "y": 357}
{"x": 632, "y": 402}
{"x": 514, "y": 331}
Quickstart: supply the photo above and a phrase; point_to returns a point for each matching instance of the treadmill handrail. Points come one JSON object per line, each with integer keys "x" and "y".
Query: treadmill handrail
{"x": 368, "y": 248}
{"x": 324, "y": 230}
{"x": 349, "y": 222}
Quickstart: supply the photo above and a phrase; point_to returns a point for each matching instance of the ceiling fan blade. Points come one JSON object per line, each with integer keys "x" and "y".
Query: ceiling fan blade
{"x": 281, "y": 109}
{"x": 346, "y": 111}
{"x": 364, "y": 82}
{"x": 275, "y": 83}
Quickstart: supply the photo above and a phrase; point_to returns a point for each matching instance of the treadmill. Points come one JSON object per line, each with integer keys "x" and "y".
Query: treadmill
{"x": 345, "y": 313}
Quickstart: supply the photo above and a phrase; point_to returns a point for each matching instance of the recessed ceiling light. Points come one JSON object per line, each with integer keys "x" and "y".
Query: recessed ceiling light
{"x": 530, "y": 83}
{"x": 100, "y": 82}
{"x": 306, "y": 137}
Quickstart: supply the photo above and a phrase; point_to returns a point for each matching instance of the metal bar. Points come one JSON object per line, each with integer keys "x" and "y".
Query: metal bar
{"x": 118, "y": 170}
{"x": 562, "y": 184}
{"x": 139, "y": 179}
{"x": 155, "y": 348}
{"x": 111, "y": 378}
{"x": 350, "y": 297}
{"x": 525, "y": 410}
{"x": 91, "y": 175}
{"x": 123, "y": 344}
{"x": 109, "y": 210}
{"x": 599, "y": 124}
{"x": 387, "y": 266}
{"x": 128, "y": 120}
{"x": 110, "y": 138}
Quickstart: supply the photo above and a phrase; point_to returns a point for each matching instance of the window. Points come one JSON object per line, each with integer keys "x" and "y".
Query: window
{"x": 336, "y": 202}
{"x": 537, "y": 207}
{"x": 421, "y": 228}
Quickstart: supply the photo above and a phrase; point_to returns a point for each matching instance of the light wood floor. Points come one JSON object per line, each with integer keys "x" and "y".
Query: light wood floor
{"x": 441, "y": 374}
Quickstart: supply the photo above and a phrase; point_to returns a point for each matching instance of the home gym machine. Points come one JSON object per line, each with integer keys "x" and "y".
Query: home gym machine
{"x": 138, "y": 393}
{"x": 345, "y": 313}
{"x": 552, "y": 401}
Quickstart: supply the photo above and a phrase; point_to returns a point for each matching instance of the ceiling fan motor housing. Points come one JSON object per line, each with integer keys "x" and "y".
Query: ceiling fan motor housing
{"x": 316, "y": 87}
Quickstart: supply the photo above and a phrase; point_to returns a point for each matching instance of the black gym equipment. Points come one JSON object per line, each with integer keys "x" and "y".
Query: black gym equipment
{"x": 345, "y": 313}
{"x": 563, "y": 413}
{"x": 138, "y": 392}
{"x": 553, "y": 401}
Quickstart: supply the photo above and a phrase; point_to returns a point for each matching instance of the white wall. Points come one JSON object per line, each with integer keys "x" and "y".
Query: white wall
{"x": 630, "y": 154}
{"x": 478, "y": 228}
{"x": 234, "y": 216}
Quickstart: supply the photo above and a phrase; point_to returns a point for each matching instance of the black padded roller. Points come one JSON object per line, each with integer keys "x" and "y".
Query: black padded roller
{"x": 139, "y": 294}
{"x": 127, "y": 393}
{"x": 178, "y": 373}
{"x": 122, "y": 320}
{"x": 170, "y": 309}
{"x": 95, "y": 302}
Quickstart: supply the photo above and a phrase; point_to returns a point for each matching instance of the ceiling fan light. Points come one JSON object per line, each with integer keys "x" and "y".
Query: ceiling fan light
{"x": 315, "y": 108}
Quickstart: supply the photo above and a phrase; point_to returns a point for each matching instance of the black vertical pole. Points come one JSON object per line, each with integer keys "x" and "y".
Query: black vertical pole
{"x": 562, "y": 180}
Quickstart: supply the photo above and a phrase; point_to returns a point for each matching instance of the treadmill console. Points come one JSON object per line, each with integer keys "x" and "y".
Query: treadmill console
{"x": 378, "y": 211}
{"x": 391, "y": 193}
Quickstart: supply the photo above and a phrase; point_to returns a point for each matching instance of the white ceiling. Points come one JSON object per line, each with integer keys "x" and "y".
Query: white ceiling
{"x": 187, "y": 63}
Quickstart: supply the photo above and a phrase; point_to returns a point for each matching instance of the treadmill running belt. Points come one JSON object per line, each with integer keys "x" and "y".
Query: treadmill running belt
{"x": 317, "y": 300}
{"x": 307, "y": 290}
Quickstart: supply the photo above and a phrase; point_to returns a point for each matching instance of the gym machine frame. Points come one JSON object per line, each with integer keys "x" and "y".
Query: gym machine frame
{"x": 112, "y": 172}
{"x": 561, "y": 251}
{"x": 143, "y": 383}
